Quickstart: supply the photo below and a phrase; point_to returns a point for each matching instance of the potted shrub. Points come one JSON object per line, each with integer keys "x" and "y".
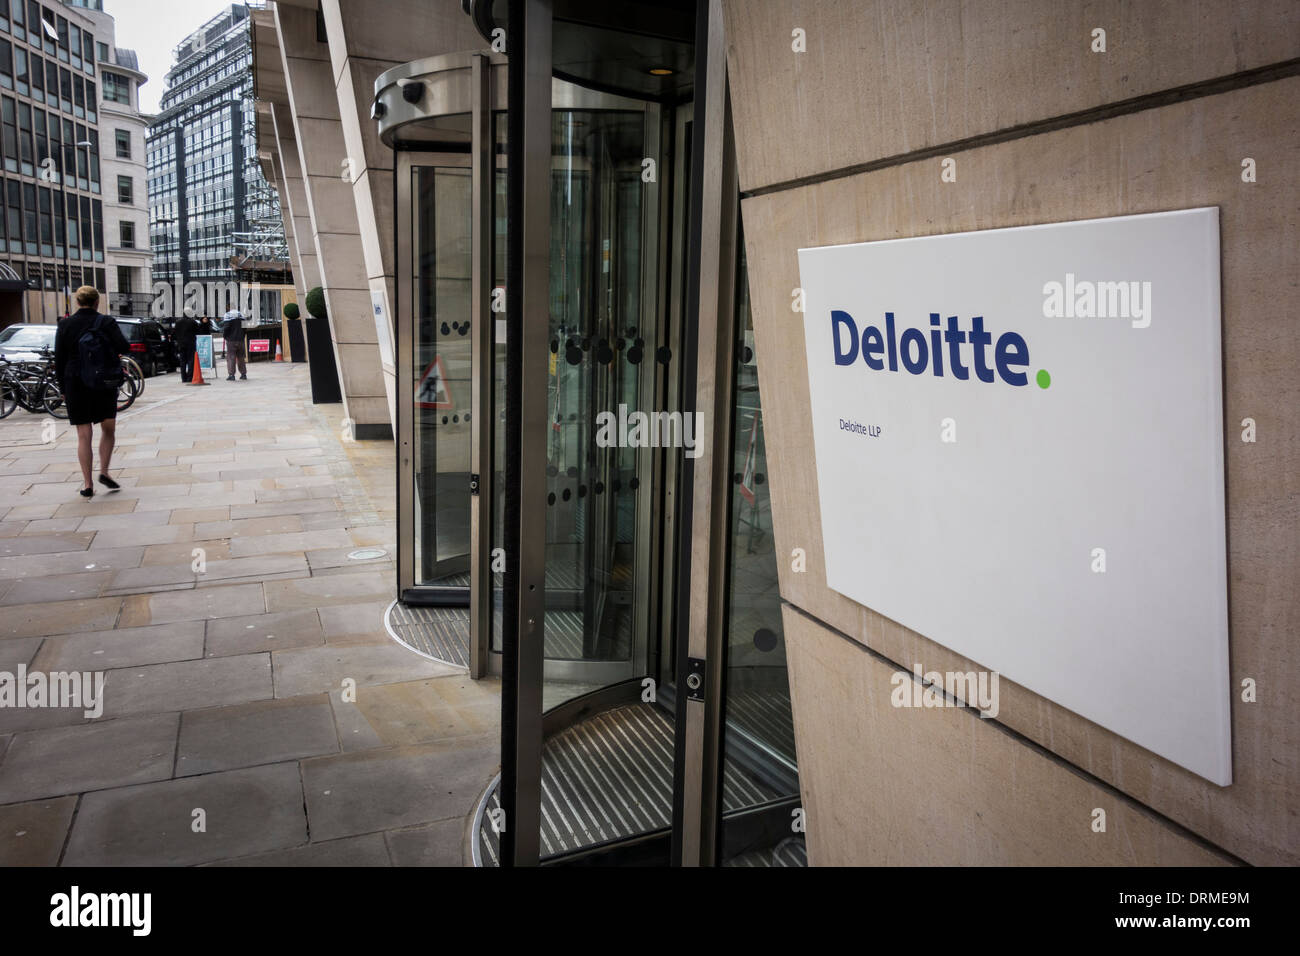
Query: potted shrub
{"x": 320, "y": 345}
{"x": 316, "y": 303}
{"x": 296, "y": 343}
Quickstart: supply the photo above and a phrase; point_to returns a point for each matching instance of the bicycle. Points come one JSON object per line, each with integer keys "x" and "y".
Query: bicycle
{"x": 44, "y": 392}
{"x": 132, "y": 386}
{"x": 30, "y": 385}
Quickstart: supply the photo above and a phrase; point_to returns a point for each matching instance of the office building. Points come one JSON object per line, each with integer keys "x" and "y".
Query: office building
{"x": 122, "y": 131}
{"x": 777, "y": 561}
{"x": 53, "y": 66}
{"x": 213, "y": 217}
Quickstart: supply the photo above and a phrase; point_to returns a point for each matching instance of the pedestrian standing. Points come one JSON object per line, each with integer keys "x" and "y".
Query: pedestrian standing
{"x": 87, "y": 361}
{"x": 232, "y": 330}
{"x": 186, "y": 336}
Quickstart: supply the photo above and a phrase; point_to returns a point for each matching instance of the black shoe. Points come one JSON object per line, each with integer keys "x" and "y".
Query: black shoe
{"x": 87, "y": 492}
{"x": 109, "y": 483}
{"x": 230, "y": 378}
{"x": 243, "y": 378}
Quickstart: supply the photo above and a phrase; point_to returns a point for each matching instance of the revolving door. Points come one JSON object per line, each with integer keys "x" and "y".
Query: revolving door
{"x": 608, "y": 348}
{"x": 549, "y": 256}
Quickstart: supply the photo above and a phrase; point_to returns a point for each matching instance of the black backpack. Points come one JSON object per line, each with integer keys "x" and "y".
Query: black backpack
{"x": 97, "y": 359}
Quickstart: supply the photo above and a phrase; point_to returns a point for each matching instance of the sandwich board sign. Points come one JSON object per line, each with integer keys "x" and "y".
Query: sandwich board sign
{"x": 1019, "y": 453}
{"x": 207, "y": 357}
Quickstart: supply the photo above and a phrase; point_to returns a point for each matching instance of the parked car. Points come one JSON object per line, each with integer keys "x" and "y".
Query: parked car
{"x": 22, "y": 342}
{"x": 151, "y": 346}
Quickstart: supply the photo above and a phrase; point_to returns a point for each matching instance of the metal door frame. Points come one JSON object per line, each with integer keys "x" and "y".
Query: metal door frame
{"x": 715, "y": 202}
{"x": 407, "y": 589}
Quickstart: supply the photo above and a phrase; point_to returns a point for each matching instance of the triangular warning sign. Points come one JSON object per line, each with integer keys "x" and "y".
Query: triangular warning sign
{"x": 432, "y": 391}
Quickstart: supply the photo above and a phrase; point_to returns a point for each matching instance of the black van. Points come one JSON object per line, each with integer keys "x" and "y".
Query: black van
{"x": 151, "y": 347}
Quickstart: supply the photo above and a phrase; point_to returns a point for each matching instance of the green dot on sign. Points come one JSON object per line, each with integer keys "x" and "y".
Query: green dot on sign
{"x": 1044, "y": 379}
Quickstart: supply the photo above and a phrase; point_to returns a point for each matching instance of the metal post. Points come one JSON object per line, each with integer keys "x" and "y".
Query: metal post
{"x": 481, "y": 501}
{"x": 708, "y": 479}
{"x": 63, "y": 193}
{"x": 527, "y": 308}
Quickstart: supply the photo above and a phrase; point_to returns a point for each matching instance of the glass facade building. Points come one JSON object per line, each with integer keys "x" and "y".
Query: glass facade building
{"x": 53, "y": 231}
{"x": 203, "y": 179}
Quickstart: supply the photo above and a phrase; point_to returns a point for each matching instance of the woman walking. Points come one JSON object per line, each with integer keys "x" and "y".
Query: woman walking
{"x": 87, "y": 347}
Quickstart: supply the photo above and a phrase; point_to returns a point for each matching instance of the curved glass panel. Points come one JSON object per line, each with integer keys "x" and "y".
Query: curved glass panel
{"x": 441, "y": 365}
{"x": 598, "y": 353}
{"x": 760, "y": 772}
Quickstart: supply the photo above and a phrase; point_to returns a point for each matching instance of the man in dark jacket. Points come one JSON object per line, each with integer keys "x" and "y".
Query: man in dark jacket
{"x": 232, "y": 330}
{"x": 185, "y": 333}
{"x": 88, "y": 406}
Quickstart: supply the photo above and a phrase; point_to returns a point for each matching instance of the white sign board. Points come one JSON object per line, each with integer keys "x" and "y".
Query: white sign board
{"x": 1019, "y": 439}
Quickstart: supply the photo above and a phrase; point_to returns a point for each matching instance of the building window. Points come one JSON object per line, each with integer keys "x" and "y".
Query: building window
{"x": 124, "y": 280}
{"x": 127, "y": 234}
{"x": 123, "y": 138}
{"x": 14, "y": 208}
{"x": 10, "y": 121}
{"x": 34, "y": 12}
{"x": 125, "y": 191}
{"x": 101, "y": 49}
{"x": 117, "y": 88}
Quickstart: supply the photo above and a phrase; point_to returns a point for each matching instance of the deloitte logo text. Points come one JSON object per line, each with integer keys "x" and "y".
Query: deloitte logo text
{"x": 881, "y": 350}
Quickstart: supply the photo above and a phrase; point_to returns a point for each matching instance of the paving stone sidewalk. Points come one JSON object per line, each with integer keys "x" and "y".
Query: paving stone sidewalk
{"x": 223, "y": 687}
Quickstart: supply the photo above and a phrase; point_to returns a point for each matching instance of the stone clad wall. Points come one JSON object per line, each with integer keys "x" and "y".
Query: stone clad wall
{"x": 844, "y": 143}
{"x": 362, "y": 46}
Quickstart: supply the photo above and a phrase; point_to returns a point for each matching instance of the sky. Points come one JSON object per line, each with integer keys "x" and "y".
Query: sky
{"x": 154, "y": 28}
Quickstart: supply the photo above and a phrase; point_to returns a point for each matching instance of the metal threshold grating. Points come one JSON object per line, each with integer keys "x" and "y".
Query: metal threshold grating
{"x": 440, "y": 633}
{"x": 610, "y": 777}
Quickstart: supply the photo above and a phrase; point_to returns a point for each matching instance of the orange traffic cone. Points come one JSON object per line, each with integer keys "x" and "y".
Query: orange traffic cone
{"x": 279, "y": 357}
{"x": 198, "y": 372}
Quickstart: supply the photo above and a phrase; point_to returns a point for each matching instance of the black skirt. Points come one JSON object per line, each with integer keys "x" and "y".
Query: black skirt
{"x": 88, "y": 406}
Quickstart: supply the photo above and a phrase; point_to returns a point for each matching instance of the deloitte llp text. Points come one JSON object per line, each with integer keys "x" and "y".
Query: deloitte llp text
{"x": 884, "y": 350}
